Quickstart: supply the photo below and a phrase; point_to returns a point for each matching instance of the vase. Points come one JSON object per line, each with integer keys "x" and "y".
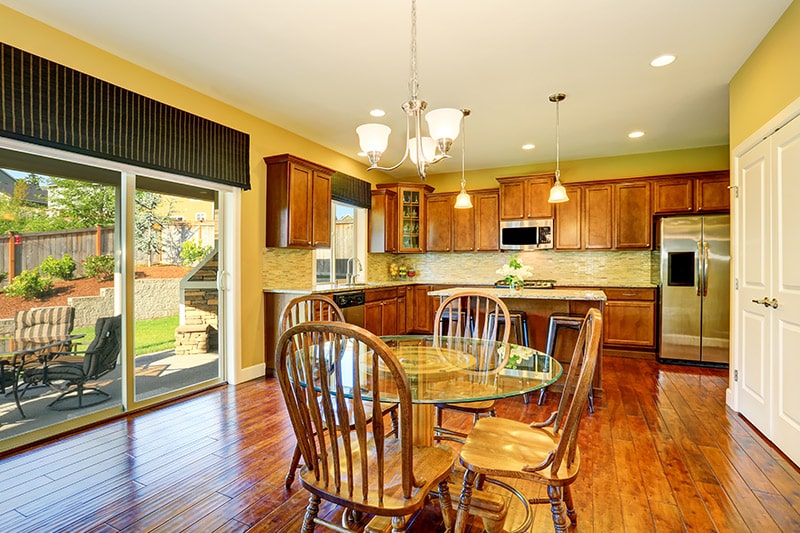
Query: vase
{"x": 515, "y": 287}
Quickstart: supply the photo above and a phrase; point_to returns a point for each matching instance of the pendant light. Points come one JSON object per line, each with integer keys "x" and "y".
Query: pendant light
{"x": 463, "y": 200}
{"x": 558, "y": 193}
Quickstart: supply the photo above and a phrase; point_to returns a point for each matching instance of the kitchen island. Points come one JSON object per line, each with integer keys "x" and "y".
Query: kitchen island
{"x": 538, "y": 305}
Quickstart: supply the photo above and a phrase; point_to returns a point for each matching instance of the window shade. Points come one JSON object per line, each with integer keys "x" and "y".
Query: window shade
{"x": 45, "y": 103}
{"x": 350, "y": 190}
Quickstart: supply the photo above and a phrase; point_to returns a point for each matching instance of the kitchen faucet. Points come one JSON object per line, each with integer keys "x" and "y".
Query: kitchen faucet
{"x": 353, "y": 269}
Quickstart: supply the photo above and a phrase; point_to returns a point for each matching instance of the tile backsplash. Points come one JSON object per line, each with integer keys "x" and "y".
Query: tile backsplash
{"x": 286, "y": 268}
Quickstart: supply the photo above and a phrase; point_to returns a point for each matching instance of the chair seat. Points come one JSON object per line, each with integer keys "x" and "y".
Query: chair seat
{"x": 431, "y": 465}
{"x": 522, "y": 446}
{"x": 485, "y": 406}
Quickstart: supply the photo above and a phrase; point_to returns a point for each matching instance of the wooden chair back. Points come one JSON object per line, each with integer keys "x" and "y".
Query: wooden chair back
{"x": 310, "y": 308}
{"x": 566, "y": 420}
{"x": 332, "y": 371}
{"x": 474, "y": 315}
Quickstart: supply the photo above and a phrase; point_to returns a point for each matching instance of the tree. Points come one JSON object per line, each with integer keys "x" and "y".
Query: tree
{"x": 85, "y": 204}
{"x": 148, "y": 223}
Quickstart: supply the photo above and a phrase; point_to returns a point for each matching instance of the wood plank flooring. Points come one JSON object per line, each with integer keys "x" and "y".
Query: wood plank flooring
{"x": 661, "y": 453}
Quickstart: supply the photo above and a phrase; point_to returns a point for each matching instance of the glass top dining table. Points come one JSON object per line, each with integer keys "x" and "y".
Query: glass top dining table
{"x": 455, "y": 369}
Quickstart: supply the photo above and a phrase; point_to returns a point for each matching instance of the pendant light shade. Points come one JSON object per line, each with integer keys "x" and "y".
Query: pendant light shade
{"x": 558, "y": 194}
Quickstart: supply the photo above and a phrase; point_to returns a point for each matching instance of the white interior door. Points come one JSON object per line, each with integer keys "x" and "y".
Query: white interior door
{"x": 753, "y": 245}
{"x": 786, "y": 288}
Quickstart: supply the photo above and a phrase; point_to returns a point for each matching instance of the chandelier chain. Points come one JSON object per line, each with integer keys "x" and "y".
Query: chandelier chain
{"x": 413, "y": 84}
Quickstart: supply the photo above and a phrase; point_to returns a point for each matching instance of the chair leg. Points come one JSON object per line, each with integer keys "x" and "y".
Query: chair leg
{"x": 591, "y": 401}
{"x": 396, "y": 423}
{"x": 399, "y": 524}
{"x": 446, "y": 505}
{"x": 573, "y": 516}
{"x": 557, "y": 508}
{"x": 311, "y": 514}
{"x": 462, "y": 517}
{"x": 542, "y": 394}
{"x": 292, "y": 468}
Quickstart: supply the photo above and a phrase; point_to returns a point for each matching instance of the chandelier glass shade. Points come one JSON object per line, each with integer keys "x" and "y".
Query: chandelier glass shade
{"x": 443, "y": 125}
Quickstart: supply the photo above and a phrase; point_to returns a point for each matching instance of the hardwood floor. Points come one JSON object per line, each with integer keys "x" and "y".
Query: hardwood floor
{"x": 661, "y": 453}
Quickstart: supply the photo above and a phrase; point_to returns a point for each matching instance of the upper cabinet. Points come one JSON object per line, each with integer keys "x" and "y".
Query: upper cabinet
{"x": 463, "y": 230}
{"x": 410, "y": 219}
{"x": 697, "y": 193}
{"x": 597, "y": 217}
{"x": 526, "y": 197}
{"x": 383, "y": 221}
{"x": 298, "y": 203}
{"x": 568, "y": 227}
{"x": 633, "y": 223}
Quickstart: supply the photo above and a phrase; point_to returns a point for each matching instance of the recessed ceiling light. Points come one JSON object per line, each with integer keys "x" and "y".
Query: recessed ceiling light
{"x": 528, "y": 146}
{"x": 662, "y": 61}
{"x": 377, "y": 112}
{"x": 636, "y": 134}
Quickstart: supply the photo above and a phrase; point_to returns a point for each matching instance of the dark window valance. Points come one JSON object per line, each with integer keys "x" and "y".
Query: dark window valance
{"x": 350, "y": 190}
{"x": 45, "y": 103}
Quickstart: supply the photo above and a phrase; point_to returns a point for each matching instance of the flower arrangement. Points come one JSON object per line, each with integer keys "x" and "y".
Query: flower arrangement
{"x": 515, "y": 272}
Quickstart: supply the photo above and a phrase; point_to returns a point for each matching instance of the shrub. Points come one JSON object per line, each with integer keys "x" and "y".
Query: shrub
{"x": 191, "y": 252}
{"x": 3, "y": 276}
{"x": 100, "y": 267}
{"x": 29, "y": 285}
{"x": 63, "y": 268}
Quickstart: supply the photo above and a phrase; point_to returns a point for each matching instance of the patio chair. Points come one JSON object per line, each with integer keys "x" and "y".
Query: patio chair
{"x": 71, "y": 377}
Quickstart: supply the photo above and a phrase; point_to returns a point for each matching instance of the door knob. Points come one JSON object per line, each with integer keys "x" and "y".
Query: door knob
{"x": 762, "y": 301}
{"x": 774, "y": 303}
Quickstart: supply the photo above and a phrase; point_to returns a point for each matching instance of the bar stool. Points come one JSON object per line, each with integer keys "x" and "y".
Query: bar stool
{"x": 519, "y": 326}
{"x": 562, "y": 321}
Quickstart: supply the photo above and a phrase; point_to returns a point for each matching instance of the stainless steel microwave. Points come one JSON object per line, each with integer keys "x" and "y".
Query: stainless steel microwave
{"x": 534, "y": 234}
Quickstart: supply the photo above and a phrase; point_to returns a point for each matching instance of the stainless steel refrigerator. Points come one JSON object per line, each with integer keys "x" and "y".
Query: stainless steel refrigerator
{"x": 695, "y": 289}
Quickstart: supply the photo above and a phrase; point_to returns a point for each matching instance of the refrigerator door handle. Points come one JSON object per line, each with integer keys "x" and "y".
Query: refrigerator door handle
{"x": 699, "y": 276}
{"x": 705, "y": 268}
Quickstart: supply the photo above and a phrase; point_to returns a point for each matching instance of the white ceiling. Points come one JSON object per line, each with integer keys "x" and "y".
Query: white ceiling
{"x": 316, "y": 67}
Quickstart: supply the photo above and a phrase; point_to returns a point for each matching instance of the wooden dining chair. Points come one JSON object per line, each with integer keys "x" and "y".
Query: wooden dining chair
{"x": 471, "y": 314}
{"x": 355, "y": 465}
{"x": 317, "y": 308}
{"x": 545, "y": 453}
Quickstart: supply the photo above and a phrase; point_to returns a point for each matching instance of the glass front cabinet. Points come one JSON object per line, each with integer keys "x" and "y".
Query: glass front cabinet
{"x": 411, "y": 206}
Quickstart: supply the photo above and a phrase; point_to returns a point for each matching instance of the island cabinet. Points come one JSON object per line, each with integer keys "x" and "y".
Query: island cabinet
{"x": 380, "y": 311}
{"x": 629, "y": 320}
{"x": 383, "y": 220}
{"x": 525, "y": 197}
{"x": 705, "y": 192}
{"x": 411, "y": 216}
{"x": 463, "y": 230}
{"x": 298, "y": 203}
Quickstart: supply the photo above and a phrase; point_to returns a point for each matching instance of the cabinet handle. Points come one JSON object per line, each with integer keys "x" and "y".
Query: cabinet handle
{"x": 629, "y": 294}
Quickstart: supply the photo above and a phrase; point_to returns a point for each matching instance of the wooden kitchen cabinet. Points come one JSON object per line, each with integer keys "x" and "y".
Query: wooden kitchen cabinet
{"x": 525, "y": 197}
{"x": 422, "y": 315}
{"x": 380, "y": 311}
{"x": 411, "y": 215}
{"x": 486, "y": 214}
{"x": 383, "y": 221}
{"x": 673, "y": 196}
{"x": 597, "y": 217}
{"x": 298, "y": 203}
{"x": 713, "y": 194}
{"x": 633, "y": 222}
{"x": 439, "y": 222}
{"x": 402, "y": 329}
{"x": 568, "y": 227}
{"x": 629, "y": 319}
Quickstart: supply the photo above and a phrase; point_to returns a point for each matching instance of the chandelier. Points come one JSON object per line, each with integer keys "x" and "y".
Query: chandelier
{"x": 558, "y": 193}
{"x": 423, "y": 151}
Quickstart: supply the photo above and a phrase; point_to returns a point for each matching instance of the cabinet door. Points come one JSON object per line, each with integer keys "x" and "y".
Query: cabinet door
{"x": 537, "y": 192}
{"x": 389, "y": 317}
{"x": 373, "y": 319}
{"x": 300, "y": 200}
{"x": 633, "y": 222}
{"x": 629, "y": 323}
{"x": 401, "y": 312}
{"x": 486, "y": 207}
{"x": 512, "y": 200}
{"x": 411, "y": 204}
{"x": 422, "y": 309}
{"x": 383, "y": 221}
{"x": 321, "y": 211}
{"x": 439, "y": 220}
{"x": 673, "y": 196}
{"x": 568, "y": 220}
{"x": 713, "y": 195}
{"x": 597, "y": 217}
{"x": 464, "y": 229}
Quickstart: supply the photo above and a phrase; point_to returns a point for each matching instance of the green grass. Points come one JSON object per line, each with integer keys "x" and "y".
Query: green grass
{"x": 153, "y": 335}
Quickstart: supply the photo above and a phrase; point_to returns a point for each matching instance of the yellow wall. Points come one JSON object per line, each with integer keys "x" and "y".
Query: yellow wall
{"x": 769, "y": 80}
{"x": 265, "y": 139}
{"x": 626, "y": 166}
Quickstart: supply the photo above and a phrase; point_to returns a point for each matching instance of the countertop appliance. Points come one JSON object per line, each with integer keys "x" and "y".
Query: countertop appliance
{"x": 352, "y": 305}
{"x": 532, "y": 234}
{"x": 695, "y": 290}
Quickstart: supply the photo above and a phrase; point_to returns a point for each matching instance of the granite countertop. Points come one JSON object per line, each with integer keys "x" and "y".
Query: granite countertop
{"x": 327, "y": 288}
{"x": 532, "y": 294}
